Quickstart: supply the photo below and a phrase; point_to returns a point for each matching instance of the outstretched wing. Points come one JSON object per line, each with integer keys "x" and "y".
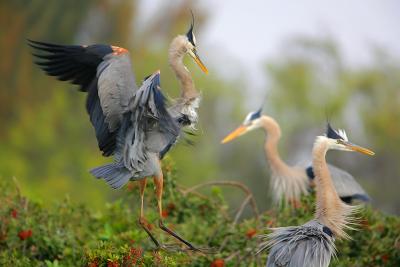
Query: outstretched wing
{"x": 310, "y": 245}
{"x": 104, "y": 72}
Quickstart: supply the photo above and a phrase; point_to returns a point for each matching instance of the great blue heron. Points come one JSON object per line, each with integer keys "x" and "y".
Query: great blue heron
{"x": 289, "y": 182}
{"x": 132, "y": 124}
{"x": 312, "y": 244}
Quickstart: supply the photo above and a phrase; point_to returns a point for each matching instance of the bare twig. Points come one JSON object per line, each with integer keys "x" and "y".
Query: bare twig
{"x": 241, "y": 208}
{"x": 232, "y": 256}
{"x": 239, "y": 185}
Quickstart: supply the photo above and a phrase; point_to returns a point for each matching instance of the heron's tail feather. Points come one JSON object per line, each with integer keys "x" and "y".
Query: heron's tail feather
{"x": 114, "y": 174}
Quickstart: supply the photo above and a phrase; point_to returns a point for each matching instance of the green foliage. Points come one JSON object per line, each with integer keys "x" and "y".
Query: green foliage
{"x": 71, "y": 235}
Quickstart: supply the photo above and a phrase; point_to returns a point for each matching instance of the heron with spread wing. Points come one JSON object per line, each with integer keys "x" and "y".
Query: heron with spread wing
{"x": 290, "y": 182}
{"x": 133, "y": 124}
{"x": 312, "y": 244}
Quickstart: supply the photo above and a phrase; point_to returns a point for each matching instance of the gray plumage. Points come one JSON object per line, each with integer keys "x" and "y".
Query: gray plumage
{"x": 133, "y": 124}
{"x": 117, "y": 87}
{"x": 311, "y": 245}
{"x": 346, "y": 186}
{"x": 289, "y": 182}
{"x": 145, "y": 131}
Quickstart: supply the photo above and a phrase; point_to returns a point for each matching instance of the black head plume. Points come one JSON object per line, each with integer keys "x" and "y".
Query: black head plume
{"x": 252, "y": 116}
{"x": 256, "y": 115}
{"x": 331, "y": 133}
{"x": 189, "y": 34}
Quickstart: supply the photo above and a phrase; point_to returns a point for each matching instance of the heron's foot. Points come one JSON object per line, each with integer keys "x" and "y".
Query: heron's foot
{"x": 189, "y": 246}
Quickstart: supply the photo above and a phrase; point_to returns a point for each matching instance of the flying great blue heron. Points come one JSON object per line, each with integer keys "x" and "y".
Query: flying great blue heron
{"x": 289, "y": 182}
{"x": 312, "y": 244}
{"x": 131, "y": 123}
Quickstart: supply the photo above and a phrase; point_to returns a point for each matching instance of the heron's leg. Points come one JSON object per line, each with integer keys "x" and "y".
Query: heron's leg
{"x": 158, "y": 181}
{"x": 142, "y": 184}
{"x": 142, "y": 220}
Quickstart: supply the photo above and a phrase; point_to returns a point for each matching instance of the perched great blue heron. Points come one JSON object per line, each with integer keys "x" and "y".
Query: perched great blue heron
{"x": 289, "y": 182}
{"x": 132, "y": 124}
{"x": 312, "y": 244}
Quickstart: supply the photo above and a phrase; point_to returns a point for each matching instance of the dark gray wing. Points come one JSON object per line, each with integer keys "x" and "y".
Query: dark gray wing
{"x": 346, "y": 186}
{"x": 309, "y": 245}
{"x": 152, "y": 127}
{"x": 146, "y": 129}
{"x": 104, "y": 72}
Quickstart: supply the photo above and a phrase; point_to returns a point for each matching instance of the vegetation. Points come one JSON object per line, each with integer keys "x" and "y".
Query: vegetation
{"x": 47, "y": 142}
{"x": 72, "y": 235}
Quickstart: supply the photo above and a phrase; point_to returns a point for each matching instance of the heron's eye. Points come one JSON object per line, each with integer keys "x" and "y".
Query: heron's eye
{"x": 339, "y": 141}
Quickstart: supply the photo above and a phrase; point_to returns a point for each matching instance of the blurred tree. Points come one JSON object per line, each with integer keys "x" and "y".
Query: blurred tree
{"x": 48, "y": 144}
{"x": 310, "y": 84}
{"x": 47, "y": 141}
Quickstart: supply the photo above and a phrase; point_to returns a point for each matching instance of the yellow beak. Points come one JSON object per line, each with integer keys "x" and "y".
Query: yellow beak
{"x": 236, "y": 133}
{"x": 198, "y": 61}
{"x": 360, "y": 149}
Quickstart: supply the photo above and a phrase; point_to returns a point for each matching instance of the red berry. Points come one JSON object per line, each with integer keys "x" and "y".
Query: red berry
{"x": 164, "y": 214}
{"x": 218, "y": 263}
{"x": 251, "y": 232}
{"x": 112, "y": 264}
{"x": 25, "y": 234}
{"x": 14, "y": 213}
{"x": 385, "y": 258}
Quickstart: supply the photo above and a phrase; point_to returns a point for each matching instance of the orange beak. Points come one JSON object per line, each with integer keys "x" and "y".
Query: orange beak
{"x": 360, "y": 149}
{"x": 236, "y": 133}
{"x": 198, "y": 61}
{"x": 201, "y": 65}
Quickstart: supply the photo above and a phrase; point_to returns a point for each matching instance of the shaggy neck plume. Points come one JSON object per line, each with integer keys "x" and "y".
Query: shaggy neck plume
{"x": 330, "y": 210}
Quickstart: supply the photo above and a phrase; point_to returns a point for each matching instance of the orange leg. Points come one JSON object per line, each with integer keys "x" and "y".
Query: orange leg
{"x": 142, "y": 220}
{"x": 158, "y": 181}
{"x": 142, "y": 188}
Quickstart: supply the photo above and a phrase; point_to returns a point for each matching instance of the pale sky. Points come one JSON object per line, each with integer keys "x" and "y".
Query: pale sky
{"x": 247, "y": 33}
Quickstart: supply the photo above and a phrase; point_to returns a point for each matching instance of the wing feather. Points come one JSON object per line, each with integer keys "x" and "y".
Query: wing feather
{"x": 345, "y": 184}
{"x": 106, "y": 76}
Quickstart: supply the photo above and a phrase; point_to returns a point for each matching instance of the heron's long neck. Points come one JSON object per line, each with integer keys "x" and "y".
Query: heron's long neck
{"x": 330, "y": 210}
{"x": 177, "y": 51}
{"x": 273, "y": 131}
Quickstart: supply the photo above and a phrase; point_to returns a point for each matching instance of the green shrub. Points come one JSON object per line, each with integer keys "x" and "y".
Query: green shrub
{"x": 72, "y": 235}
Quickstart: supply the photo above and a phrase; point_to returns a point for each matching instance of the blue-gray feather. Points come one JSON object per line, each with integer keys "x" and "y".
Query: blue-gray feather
{"x": 306, "y": 245}
{"x": 346, "y": 186}
{"x": 89, "y": 67}
{"x": 146, "y": 130}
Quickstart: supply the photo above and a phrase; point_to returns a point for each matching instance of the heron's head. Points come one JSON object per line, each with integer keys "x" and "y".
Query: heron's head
{"x": 338, "y": 140}
{"x": 250, "y": 123}
{"x": 190, "y": 46}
